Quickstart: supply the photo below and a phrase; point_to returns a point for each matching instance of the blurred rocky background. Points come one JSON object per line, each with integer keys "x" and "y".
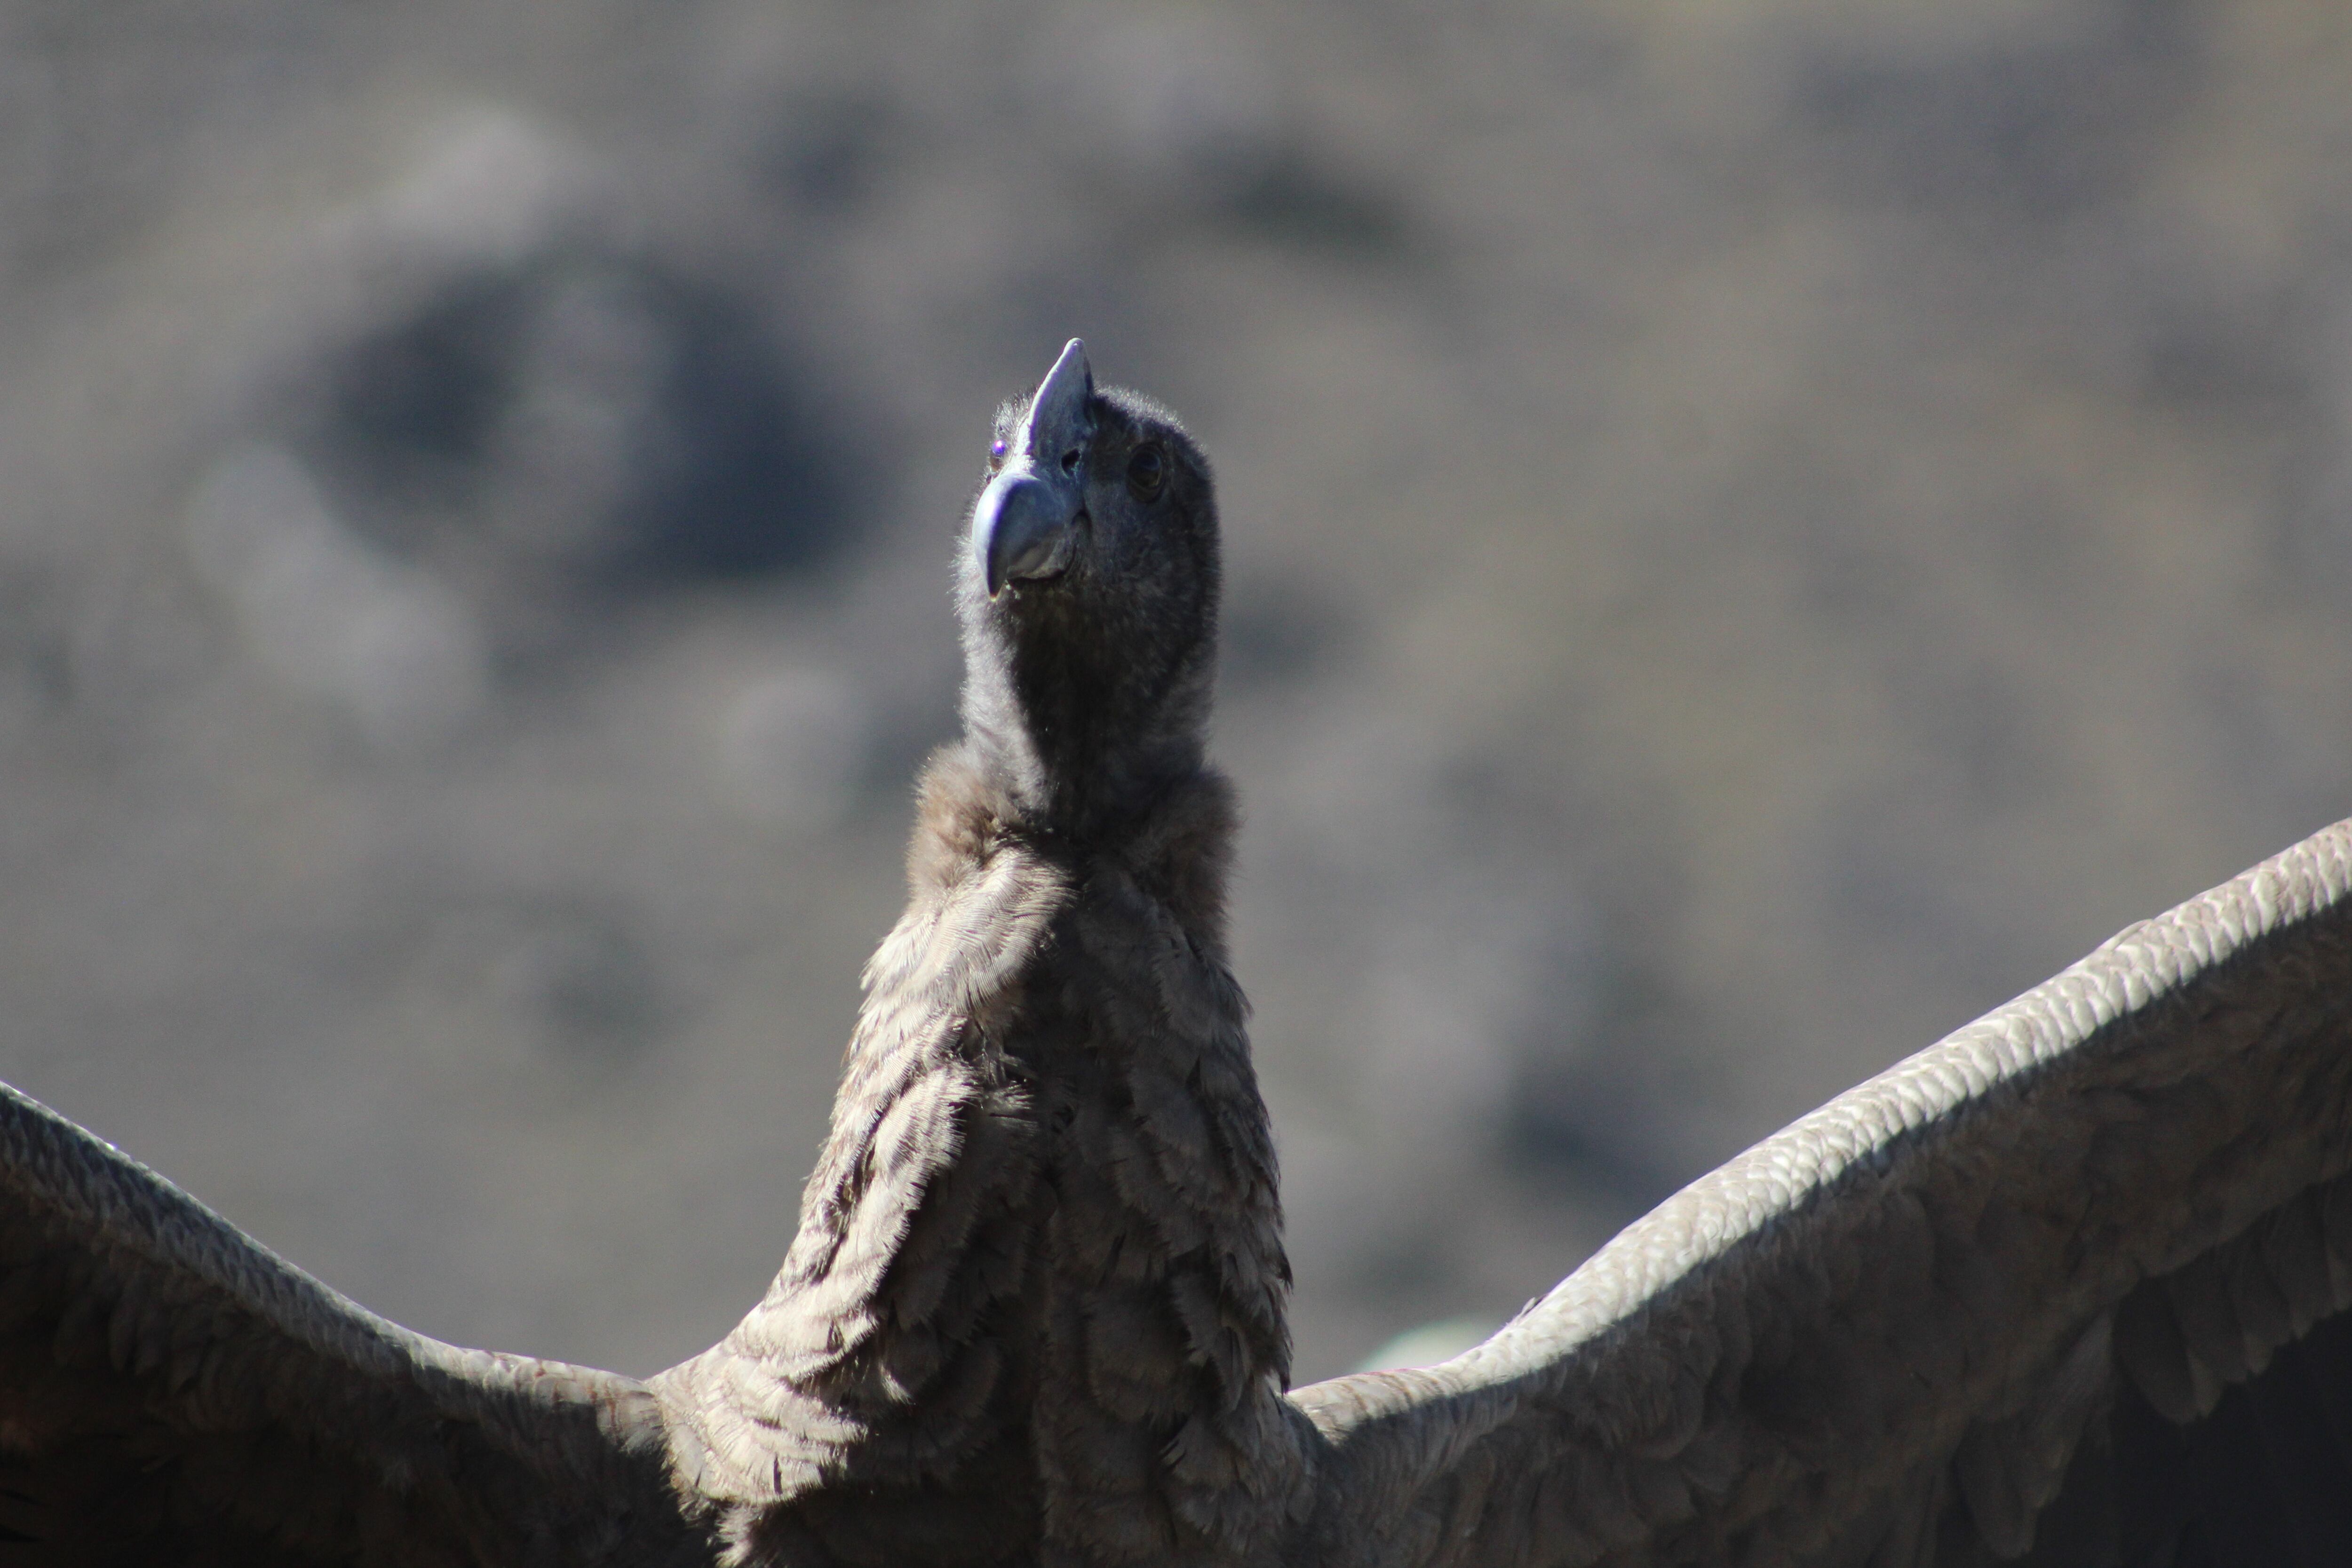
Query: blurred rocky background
{"x": 1757, "y": 529}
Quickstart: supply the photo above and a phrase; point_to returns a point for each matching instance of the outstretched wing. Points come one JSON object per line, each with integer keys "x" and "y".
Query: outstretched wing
{"x": 2071, "y": 1285}
{"x": 173, "y": 1392}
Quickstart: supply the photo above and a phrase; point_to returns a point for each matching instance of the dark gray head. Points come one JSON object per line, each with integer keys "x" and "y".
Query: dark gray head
{"x": 1089, "y": 602}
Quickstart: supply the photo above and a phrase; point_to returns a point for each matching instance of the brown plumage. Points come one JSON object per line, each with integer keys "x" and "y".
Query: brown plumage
{"x": 2074, "y": 1286}
{"x": 1037, "y": 1305}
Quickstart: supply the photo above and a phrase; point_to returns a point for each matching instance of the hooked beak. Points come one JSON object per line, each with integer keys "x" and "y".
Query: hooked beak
{"x": 1022, "y": 527}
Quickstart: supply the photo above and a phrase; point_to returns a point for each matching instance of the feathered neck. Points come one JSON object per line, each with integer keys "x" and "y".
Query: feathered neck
{"x": 1081, "y": 733}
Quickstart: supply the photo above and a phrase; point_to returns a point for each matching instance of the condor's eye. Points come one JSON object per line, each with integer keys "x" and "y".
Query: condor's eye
{"x": 1146, "y": 472}
{"x": 997, "y": 452}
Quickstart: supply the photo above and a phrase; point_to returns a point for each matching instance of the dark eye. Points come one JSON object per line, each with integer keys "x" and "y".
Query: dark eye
{"x": 1147, "y": 471}
{"x": 997, "y": 451}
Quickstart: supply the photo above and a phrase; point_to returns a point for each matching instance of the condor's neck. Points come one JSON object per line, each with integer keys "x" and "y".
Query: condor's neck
{"x": 1175, "y": 838}
{"x": 1082, "y": 753}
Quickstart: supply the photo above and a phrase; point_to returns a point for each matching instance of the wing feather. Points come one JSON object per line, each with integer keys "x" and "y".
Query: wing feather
{"x": 1901, "y": 1316}
{"x": 170, "y": 1384}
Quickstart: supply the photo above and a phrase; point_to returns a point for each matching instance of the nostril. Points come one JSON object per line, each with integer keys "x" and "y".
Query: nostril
{"x": 1070, "y": 461}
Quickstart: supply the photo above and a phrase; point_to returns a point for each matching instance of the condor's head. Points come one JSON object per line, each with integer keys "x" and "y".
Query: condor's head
{"x": 1088, "y": 594}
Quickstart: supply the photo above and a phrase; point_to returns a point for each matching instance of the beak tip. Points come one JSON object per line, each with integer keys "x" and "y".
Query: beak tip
{"x": 1021, "y": 530}
{"x": 1021, "y": 527}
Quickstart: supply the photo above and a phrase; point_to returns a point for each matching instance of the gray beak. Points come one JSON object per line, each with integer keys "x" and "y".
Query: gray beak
{"x": 1022, "y": 527}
